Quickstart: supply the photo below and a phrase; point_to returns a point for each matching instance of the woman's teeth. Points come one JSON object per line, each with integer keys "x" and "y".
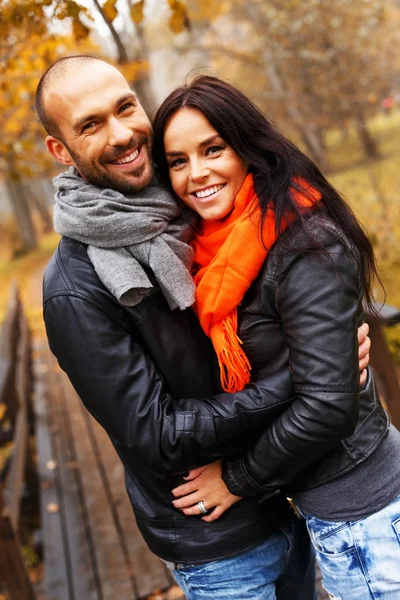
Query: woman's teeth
{"x": 126, "y": 159}
{"x": 208, "y": 191}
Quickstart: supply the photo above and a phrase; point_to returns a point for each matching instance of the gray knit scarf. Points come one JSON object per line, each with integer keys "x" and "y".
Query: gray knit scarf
{"x": 126, "y": 233}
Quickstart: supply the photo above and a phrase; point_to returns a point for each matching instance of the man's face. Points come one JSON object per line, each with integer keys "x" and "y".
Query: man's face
{"x": 105, "y": 132}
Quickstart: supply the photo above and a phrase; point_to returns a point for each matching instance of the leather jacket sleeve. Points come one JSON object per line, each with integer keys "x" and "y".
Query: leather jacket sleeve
{"x": 119, "y": 385}
{"x": 318, "y": 299}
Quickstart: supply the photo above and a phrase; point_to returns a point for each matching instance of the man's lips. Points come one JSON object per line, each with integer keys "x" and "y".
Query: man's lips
{"x": 129, "y": 156}
{"x": 129, "y": 159}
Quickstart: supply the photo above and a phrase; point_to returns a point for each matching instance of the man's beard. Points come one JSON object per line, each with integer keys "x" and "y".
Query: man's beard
{"x": 121, "y": 182}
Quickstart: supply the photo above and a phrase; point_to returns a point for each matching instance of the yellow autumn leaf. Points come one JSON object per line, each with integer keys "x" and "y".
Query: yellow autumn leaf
{"x": 134, "y": 70}
{"x": 137, "y": 11}
{"x": 109, "y": 10}
{"x": 80, "y": 30}
{"x": 12, "y": 126}
{"x": 178, "y": 19}
{"x": 73, "y": 8}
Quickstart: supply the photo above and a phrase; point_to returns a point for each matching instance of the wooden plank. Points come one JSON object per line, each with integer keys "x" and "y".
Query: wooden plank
{"x": 12, "y": 566}
{"x": 115, "y": 578}
{"x": 15, "y": 478}
{"x": 8, "y": 344}
{"x": 57, "y": 580}
{"x": 149, "y": 571}
{"x": 79, "y": 543}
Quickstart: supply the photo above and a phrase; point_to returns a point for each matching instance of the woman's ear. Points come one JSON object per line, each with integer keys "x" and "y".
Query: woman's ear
{"x": 58, "y": 150}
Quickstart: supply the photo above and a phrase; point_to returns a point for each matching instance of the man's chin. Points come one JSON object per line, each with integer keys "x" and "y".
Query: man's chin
{"x": 128, "y": 182}
{"x": 133, "y": 182}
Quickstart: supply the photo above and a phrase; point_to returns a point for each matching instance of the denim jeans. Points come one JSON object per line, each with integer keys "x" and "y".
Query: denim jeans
{"x": 360, "y": 560}
{"x": 281, "y": 568}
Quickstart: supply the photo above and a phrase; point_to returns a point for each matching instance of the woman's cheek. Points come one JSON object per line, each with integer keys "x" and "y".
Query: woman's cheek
{"x": 175, "y": 184}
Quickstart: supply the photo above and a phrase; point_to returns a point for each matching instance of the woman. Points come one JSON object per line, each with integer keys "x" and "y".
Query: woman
{"x": 281, "y": 268}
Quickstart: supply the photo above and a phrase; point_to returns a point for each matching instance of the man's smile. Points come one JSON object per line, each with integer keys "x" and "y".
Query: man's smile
{"x": 128, "y": 159}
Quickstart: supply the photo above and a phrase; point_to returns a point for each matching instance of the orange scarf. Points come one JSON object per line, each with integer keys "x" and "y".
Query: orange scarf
{"x": 229, "y": 256}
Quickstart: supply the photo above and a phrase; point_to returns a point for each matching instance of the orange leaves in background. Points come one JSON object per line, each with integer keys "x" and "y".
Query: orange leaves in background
{"x": 178, "y": 21}
{"x": 109, "y": 10}
{"x": 27, "y": 48}
{"x": 137, "y": 11}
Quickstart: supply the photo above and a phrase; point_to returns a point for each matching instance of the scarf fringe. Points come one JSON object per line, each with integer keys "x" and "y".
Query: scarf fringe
{"x": 233, "y": 363}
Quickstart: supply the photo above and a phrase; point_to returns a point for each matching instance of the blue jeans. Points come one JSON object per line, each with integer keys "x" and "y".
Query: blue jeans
{"x": 280, "y": 568}
{"x": 360, "y": 560}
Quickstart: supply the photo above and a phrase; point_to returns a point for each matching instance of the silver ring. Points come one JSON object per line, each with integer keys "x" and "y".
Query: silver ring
{"x": 202, "y": 508}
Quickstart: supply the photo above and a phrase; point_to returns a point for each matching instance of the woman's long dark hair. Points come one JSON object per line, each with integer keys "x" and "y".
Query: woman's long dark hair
{"x": 274, "y": 161}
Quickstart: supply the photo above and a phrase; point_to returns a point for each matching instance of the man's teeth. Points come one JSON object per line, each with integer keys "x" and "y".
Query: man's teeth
{"x": 126, "y": 159}
{"x": 208, "y": 191}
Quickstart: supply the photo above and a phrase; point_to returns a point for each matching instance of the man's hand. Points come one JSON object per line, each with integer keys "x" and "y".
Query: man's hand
{"x": 363, "y": 351}
{"x": 205, "y": 484}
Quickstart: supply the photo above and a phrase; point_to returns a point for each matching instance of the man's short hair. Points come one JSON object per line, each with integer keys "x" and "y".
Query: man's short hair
{"x": 62, "y": 66}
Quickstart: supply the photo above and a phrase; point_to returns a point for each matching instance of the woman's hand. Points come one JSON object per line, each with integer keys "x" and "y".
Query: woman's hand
{"x": 204, "y": 484}
{"x": 363, "y": 351}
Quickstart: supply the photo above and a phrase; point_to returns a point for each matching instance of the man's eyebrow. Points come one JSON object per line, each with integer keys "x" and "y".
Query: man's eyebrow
{"x": 203, "y": 143}
{"x": 87, "y": 118}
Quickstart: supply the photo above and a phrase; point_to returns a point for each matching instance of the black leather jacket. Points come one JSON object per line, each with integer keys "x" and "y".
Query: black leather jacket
{"x": 139, "y": 371}
{"x": 304, "y": 311}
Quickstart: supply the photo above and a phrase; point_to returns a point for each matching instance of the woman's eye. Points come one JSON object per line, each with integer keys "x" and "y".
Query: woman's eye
{"x": 177, "y": 162}
{"x": 214, "y": 149}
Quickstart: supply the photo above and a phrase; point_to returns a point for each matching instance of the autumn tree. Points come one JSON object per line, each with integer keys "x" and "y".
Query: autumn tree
{"x": 27, "y": 48}
{"x": 310, "y": 65}
{"x": 131, "y": 47}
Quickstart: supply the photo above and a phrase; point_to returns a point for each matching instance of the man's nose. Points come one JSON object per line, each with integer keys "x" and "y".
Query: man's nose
{"x": 198, "y": 171}
{"x": 118, "y": 133}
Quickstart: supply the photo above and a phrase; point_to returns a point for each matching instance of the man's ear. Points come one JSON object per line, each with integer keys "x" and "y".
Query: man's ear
{"x": 58, "y": 150}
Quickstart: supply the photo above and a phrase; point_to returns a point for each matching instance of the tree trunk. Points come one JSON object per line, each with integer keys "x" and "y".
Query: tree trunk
{"x": 312, "y": 140}
{"x": 42, "y": 207}
{"x": 308, "y": 132}
{"x": 22, "y": 214}
{"x": 142, "y": 86}
{"x": 122, "y": 53}
{"x": 367, "y": 141}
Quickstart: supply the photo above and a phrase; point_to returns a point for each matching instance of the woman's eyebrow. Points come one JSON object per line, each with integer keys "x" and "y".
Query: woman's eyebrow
{"x": 203, "y": 143}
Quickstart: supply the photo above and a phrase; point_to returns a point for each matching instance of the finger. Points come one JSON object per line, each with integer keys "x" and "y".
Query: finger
{"x": 215, "y": 514}
{"x": 186, "y": 501}
{"x": 183, "y": 490}
{"x": 364, "y": 362}
{"x": 192, "y": 510}
{"x": 363, "y": 377}
{"x": 363, "y": 332}
{"x": 364, "y": 348}
{"x": 194, "y": 473}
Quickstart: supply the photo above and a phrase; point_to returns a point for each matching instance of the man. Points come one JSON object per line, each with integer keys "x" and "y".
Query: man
{"x": 139, "y": 368}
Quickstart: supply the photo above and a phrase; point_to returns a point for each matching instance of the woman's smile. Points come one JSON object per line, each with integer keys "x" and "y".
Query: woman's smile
{"x": 209, "y": 193}
{"x": 205, "y": 172}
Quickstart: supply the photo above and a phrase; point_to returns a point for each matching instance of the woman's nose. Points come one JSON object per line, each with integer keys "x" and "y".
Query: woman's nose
{"x": 198, "y": 171}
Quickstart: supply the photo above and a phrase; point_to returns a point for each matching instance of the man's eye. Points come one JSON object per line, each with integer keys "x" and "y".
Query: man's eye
{"x": 177, "y": 162}
{"x": 126, "y": 106}
{"x": 88, "y": 126}
{"x": 214, "y": 149}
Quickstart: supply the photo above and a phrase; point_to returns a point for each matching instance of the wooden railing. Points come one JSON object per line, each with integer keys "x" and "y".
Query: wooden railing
{"x": 15, "y": 387}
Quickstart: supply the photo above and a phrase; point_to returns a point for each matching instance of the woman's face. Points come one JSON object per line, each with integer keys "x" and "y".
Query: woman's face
{"x": 205, "y": 172}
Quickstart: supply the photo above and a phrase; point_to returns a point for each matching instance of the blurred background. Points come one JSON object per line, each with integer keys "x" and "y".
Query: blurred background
{"x": 327, "y": 73}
